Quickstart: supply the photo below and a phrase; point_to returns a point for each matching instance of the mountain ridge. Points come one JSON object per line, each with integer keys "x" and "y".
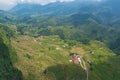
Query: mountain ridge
{"x": 62, "y": 6}
{"x": 73, "y": 6}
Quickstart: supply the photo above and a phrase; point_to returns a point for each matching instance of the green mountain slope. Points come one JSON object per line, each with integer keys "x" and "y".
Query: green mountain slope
{"x": 47, "y": 58}
{"x": 7, "y": 57}
{"x": 7, "y": 17}
{"x": 44, "y": 36}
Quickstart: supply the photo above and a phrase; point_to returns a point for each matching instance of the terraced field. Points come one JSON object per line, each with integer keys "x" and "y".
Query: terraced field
{"x": 47, "y": 58}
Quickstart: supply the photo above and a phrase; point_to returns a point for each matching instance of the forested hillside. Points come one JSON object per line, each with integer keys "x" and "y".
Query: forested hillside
{"x": 8, "y": 57}
{"x": 37, "y": 41}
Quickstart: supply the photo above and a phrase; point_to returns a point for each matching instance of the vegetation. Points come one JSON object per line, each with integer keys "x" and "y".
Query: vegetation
{"x": 35, "y": 41}
{"x": 47, "y": 58}
{"x": 7, "y": 57}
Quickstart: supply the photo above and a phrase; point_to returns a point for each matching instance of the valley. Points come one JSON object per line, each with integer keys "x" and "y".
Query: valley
{"x": 69, "y": 40}
{"x": 51, "y": 54}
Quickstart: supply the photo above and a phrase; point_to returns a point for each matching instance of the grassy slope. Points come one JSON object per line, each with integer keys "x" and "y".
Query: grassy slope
{"x": 47, "y": 58}
{"x": 7, "y": 57}
{"x": 105, "y": 62}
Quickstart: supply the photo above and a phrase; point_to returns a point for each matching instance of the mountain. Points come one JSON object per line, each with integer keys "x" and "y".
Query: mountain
{"x": 62, "y": 8}
{"x": 114, "y": 5}
{"x": 57, "y": 8}
{"x": 26, "y": 8}
{"x": 38, "y": 40}
{"x": 7, "y": 17}
{"x": 104, "y": 12}
{"x": 32, "y": 18}
{"x": 8, "y": 57}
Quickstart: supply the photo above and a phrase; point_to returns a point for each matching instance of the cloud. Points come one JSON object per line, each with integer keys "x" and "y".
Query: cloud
{"x": 93, "y": 0}
{"x": 6, "y": 4}
{"x": 42, "y": 1}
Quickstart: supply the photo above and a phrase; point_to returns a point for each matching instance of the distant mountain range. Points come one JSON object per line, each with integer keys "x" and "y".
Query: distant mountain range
{"x": 57, "y": 8}
{"x": 106, "y": 13}
{"x": 62, "y": 8}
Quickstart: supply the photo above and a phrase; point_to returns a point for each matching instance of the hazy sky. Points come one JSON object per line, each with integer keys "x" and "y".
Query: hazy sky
{"x": 6, "y": 4}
